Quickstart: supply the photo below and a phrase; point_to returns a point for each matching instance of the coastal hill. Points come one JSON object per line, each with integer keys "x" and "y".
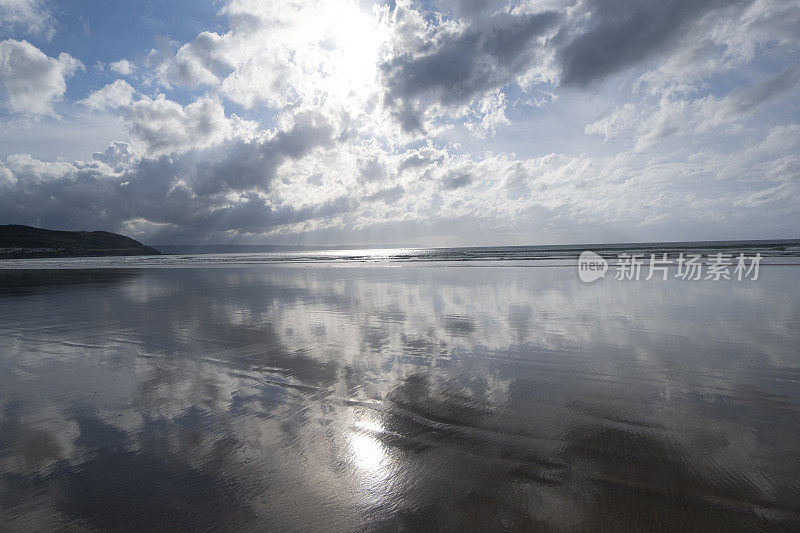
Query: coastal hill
{"x": 18, "y": 242}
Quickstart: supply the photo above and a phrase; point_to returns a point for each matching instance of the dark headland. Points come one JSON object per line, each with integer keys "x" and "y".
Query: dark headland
{"x": 18, "y": 242}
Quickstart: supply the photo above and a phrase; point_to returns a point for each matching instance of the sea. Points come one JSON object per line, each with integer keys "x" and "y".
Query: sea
{"x": 415, "y": 389}
{"x": 775, "y": 251}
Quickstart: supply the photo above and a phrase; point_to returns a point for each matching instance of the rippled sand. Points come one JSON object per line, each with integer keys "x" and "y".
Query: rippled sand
{"x": 383, "y": 398}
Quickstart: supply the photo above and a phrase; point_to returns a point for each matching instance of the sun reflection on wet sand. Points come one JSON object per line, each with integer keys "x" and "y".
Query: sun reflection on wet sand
{"x": 372, "y": 460}
{"x": 368, "y": 454}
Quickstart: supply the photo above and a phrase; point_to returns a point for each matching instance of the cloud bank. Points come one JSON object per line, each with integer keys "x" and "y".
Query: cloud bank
{"x": 345, "y": 122}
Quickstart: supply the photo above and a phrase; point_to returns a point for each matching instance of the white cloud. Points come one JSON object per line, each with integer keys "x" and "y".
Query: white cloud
{"x": 167, "y": 127}
{"x": 200, "y": 62}
{"x": 7, "y": 178}
{"x": 679, "y": 116}
{"x": 725, "y": 40}
{"x": 28, "y": 16}
{"x": 31, "y": 80}
{"x": 123, "y": 66}
{"x": 489, "y": 114}
{"x": 116, "y": 94}
{"x": 319, "y": 53}
{"x": 29, "y": 170}
{"x": 281, "y": 184}
{"x": 619, "y": 120}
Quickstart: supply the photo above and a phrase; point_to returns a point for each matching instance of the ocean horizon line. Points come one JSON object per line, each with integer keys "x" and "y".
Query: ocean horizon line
{"x": 723, "y": 243}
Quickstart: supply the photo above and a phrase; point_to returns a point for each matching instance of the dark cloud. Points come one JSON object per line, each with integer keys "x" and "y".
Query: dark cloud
{"x": 619, "y": 33}
{"x": 87, "y": 197}
{"x": 489, "y": 53}
{"x": 254, "y": 215}
{"x": 373, "y": 170}
{"x": 90, "y": 200}
{"x": 471, "y": 8}
{"x": 491, "y": 48}
{"x": 421, "y": 158}
{"x": 388, "y": 196}
{"x": 252, "y": 165}
{"x": 179, "y": 193}
{"x": 413, "y": 161}
{"x": 455, "y": 181}
{"x": 766, "y": 91}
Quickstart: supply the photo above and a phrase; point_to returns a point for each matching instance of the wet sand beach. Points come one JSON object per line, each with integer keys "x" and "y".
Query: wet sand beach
{"x": 383, "y": 398}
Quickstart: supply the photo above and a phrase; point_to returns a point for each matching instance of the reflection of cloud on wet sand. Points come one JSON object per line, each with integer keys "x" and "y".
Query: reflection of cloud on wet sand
{"x": 399, "y": 397}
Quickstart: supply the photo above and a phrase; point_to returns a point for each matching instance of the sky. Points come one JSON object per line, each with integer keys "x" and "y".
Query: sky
{"x": 433, "y": 123}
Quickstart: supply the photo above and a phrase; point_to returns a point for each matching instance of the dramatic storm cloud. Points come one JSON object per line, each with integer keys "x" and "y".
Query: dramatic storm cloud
{"x": 450, "y": 122}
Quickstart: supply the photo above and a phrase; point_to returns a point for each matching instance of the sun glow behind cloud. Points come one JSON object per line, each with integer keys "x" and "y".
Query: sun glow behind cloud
{"x": 324, "y": 54}
{"x": 356, "y": 37}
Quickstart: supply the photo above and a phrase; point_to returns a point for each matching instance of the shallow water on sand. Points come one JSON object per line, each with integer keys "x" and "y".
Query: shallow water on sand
{"x": 379, "y": 398}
